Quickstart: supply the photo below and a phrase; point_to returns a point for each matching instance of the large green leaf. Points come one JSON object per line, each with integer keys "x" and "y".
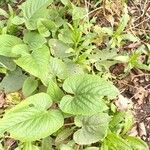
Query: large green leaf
{"x": 7, "y": 42}
{"x": 35, "y": 63}
{"x": 85, "y": 94}
{"x": 94, "y": 128}
{"x": 31, "y": 120}
{"x": 33, "y": 10}
{"x": 13, "y": 81}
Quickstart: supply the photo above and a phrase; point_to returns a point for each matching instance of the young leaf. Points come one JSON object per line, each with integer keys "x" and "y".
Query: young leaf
{"x": 123, "y": 22}
{"x": 13, "y": 81}
{"x": 7, "y": 63}
{"x": 129, "y": 121}
{"x": 47, "y": 143}
{"x": 86, "y": 96}
{"x": 58, "y": 68}
{"x": 7, "y": 42}
{"x": 116, "y": 141}
{"x": 17, "y": 20}
{"x": 36, "y": 63}
{"x": 33, "y": 10}
{"x": 137, "y": 143}
{"x": 65, "y": 2}
{"x": 94, "y": 128}
{"x": 29, "y": 146}
{"x": 42, "y": 29}
{"x": 54, "y": 91}
{"x": 4, "y": 13}
{"x": 29, "y": 86}
{"x": 63, "y": 135}
{"x": 31, "y": 120}
{"x": 58, "y": 48}
{"x": 78, "y": 12}
{"x": 117, "y": 118}
{"x": 34, "y": 40}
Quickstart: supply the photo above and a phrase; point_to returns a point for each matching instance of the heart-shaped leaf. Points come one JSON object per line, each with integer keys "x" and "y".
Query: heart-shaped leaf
{"x": 85, "y": 94}
{"x": 31, "y": 120}
{"x": 7, "y": 42}
{"x": 35, "y": 63}
{"x": 33, "y": 10}
{"x": 94, "y": 128}
{"x": 13, "y": 81}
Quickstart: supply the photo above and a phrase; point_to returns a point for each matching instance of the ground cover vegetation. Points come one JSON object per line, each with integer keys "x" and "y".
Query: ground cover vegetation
{"x": 61, "y": 65}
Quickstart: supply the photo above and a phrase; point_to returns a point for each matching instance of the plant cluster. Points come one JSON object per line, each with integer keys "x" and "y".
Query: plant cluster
{"x": 49, "y": 52}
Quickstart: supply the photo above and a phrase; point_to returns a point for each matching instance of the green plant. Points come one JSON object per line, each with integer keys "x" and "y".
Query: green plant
{"x": 51, "y": 62}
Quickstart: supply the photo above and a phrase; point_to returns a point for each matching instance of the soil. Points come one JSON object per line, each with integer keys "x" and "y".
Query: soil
{"x": 136, "y": 87}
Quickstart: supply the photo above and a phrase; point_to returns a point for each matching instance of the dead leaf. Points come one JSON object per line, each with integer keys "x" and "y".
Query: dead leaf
{"x": 123, "y": 103}
{"x": 2, "y": 99}
{"x": 142, "y": 129}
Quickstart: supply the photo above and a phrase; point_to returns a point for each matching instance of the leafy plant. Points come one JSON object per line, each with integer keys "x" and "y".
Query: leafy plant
{"x": 48, "y": 54}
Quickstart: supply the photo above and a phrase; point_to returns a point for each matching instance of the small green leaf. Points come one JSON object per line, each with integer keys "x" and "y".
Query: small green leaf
{"x": 7, "y": 63}
{"x": 34, "y": 40}
{"x": 116, "y": 141}
{"x": 130, "y": 37}
{"x": 54, "y": 91}
{"x": 42, "y": 29}
{"x": 58, "y": 48}
{"x": 137, "y": 143}
{"x": 117, "y": 118}
{"x": 58, "y": 68}
{"x": 94, "y": 128}
{"x": 123, "y": 22}
{"x": 129, "y": 121}
{"x": 87, "y": 92}
{"x": 63, "y": 135}
{"x": 13, "y": 81}
{"x": 7, "y": 42}
{"x": 29, "y": 86}
{"x": 65, "y": 2}
{"x": 4, "y": 13}
{"x": 78, "y": 12}
{"x": 31, "y": 120}
{"x": 47, "y": 143}
{"x": 17, "y": 20}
